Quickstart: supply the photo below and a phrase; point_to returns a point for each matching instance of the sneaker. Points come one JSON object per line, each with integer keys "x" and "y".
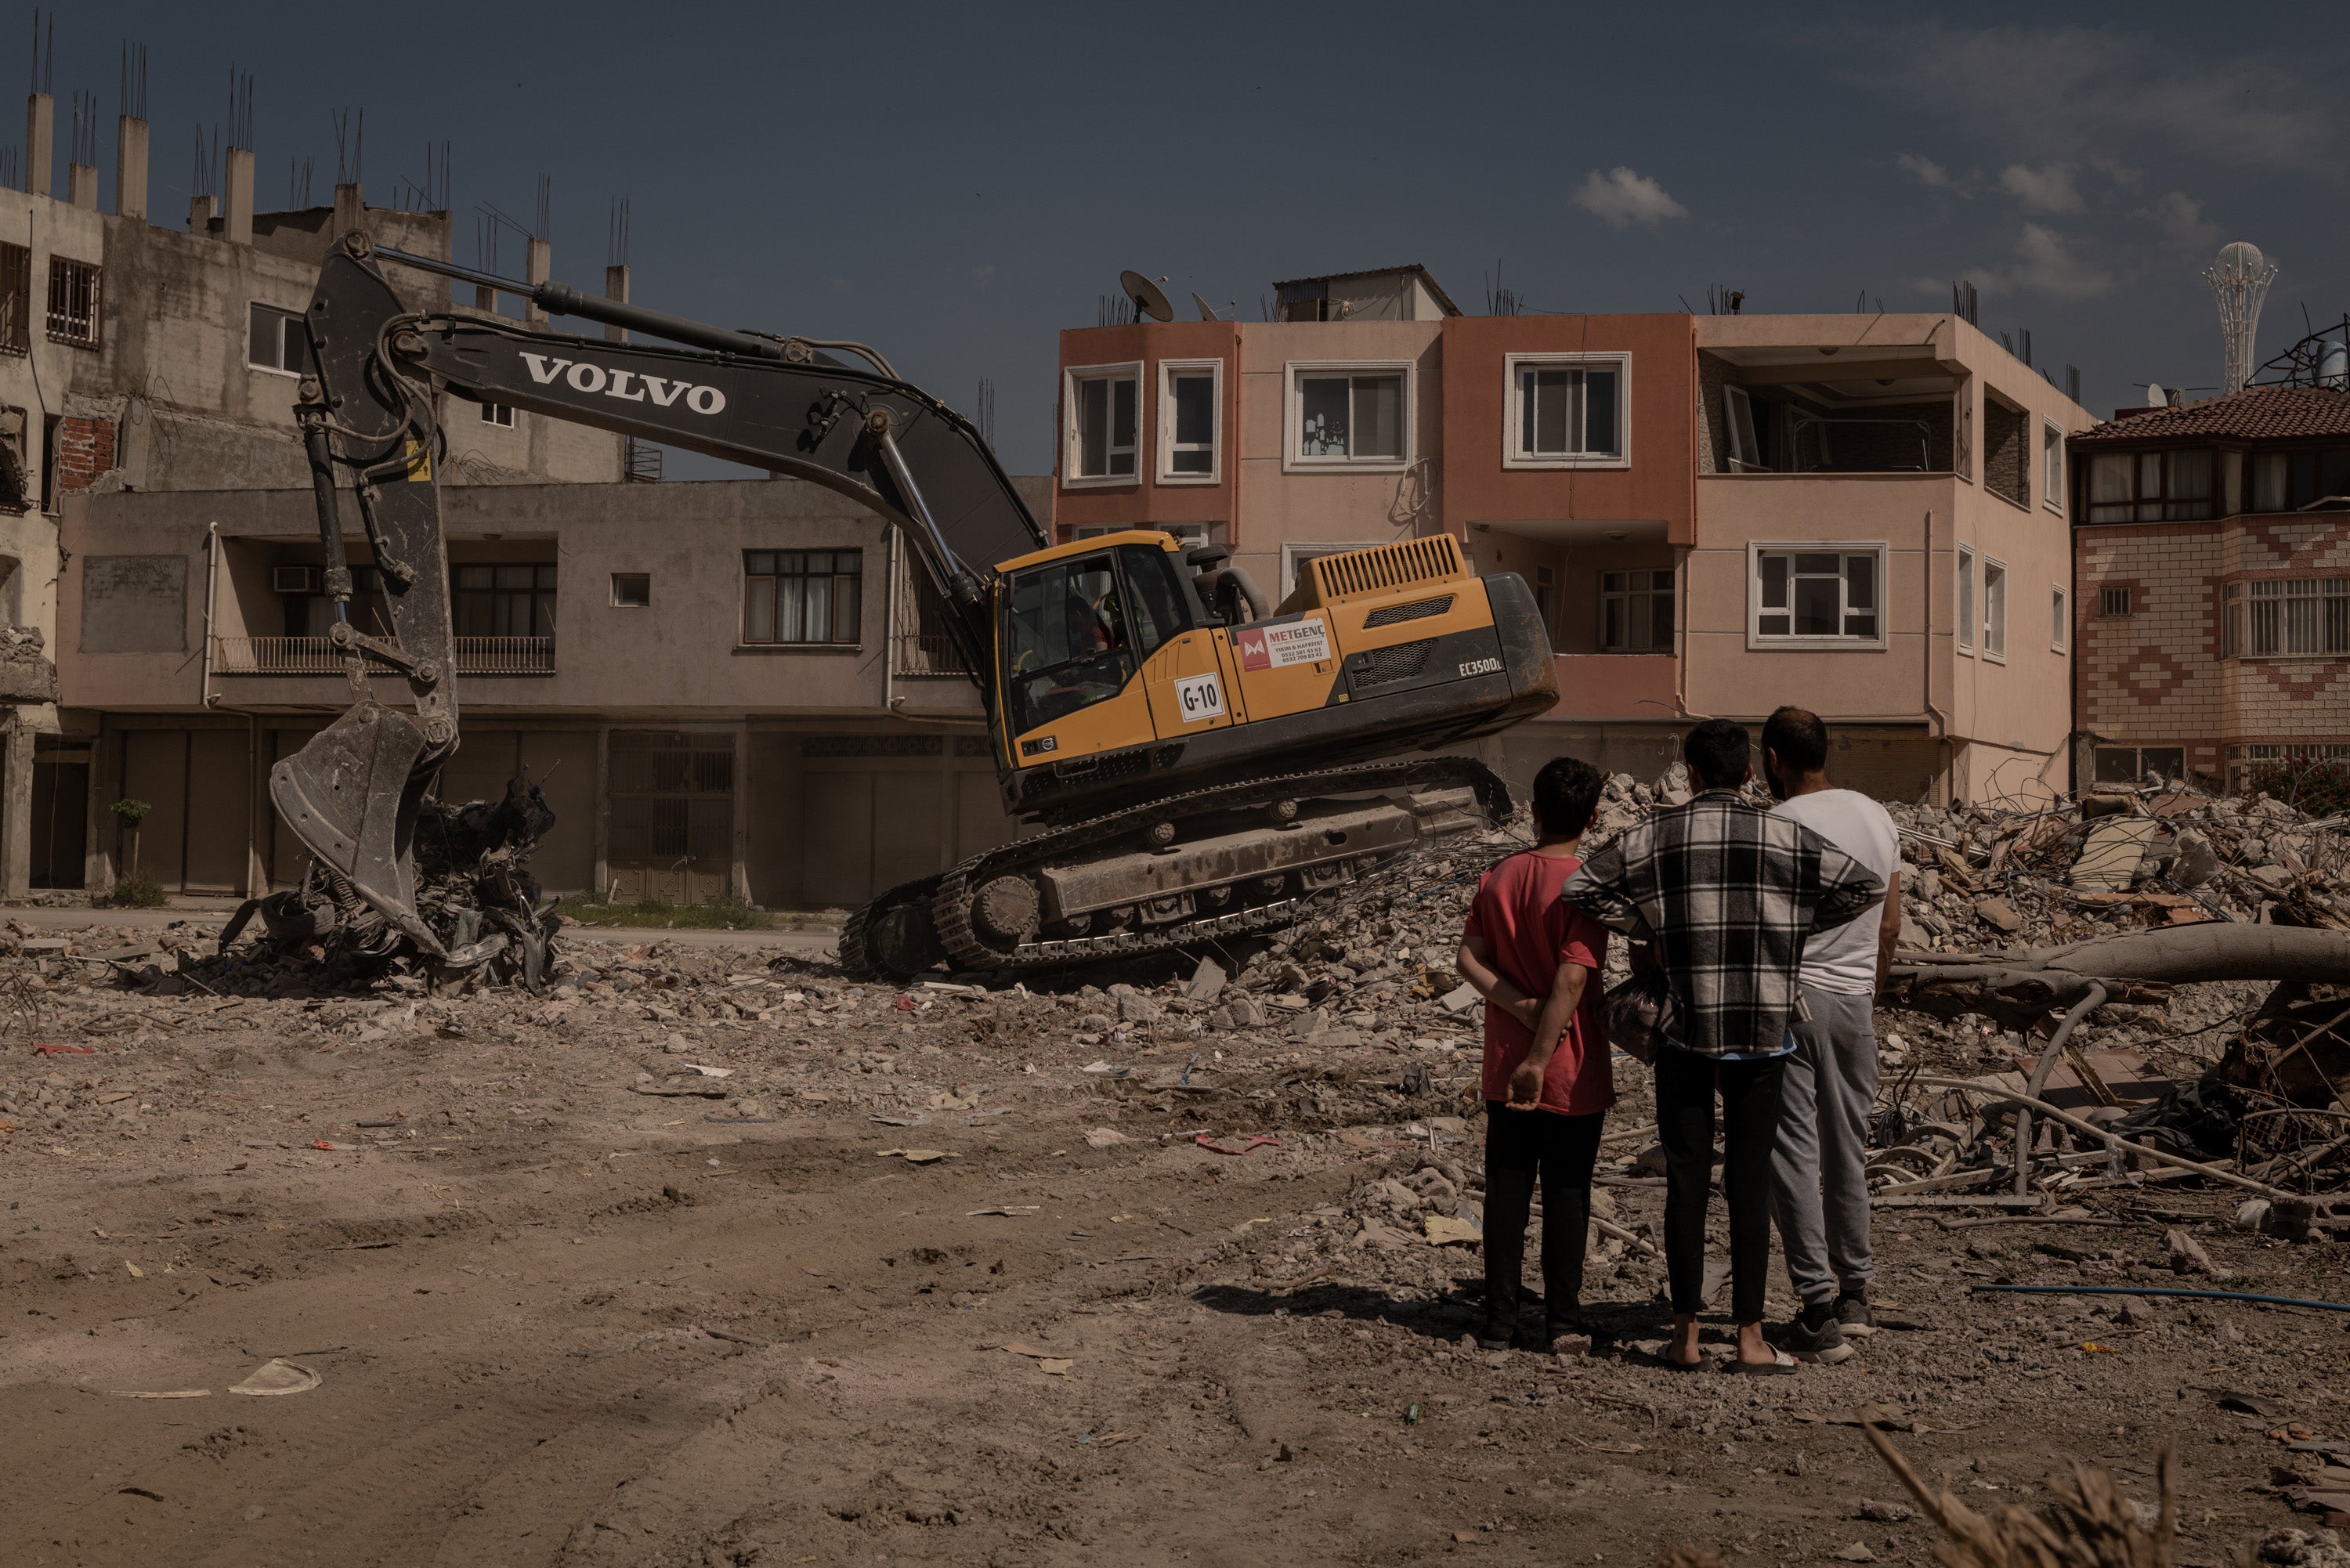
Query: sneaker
{"x": 1824, "y": 1345}
{"x": 1854, "y": 1315}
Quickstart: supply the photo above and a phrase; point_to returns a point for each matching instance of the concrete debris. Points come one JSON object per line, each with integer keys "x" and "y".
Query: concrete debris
{"x": 474, "y": 891}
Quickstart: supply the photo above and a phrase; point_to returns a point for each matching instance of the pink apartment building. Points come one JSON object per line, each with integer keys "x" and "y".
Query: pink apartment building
{"x": 1863, "y": 514}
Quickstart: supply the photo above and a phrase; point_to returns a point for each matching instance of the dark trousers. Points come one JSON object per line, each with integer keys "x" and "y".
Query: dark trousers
{"x": 1519, "y": 1145}
{"x": 1686, "y": 1086}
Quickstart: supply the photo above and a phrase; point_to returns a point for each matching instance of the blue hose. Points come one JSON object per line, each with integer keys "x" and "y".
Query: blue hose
{"x": 2151, "y": 1291}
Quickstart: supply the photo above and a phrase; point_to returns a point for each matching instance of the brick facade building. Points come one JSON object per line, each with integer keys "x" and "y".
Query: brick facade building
{"x": 2212, "y": 554}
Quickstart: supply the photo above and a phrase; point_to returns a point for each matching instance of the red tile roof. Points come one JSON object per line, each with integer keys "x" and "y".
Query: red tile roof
{"x": 2257, "y": 413}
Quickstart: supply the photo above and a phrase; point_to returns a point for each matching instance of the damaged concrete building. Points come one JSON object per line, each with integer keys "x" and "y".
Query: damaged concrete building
{"x": 742, "y": 698}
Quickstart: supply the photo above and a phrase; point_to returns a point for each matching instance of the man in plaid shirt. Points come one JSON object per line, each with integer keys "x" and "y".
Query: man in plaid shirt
{"x": 1724, "y": 893}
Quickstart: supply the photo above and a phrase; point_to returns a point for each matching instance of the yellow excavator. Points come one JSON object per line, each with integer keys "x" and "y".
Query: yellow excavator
{"x": 1193, "y": 763}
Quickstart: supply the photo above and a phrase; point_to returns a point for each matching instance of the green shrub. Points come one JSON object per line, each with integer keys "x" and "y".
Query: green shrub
{"x": 726, "y": 914}
{"x": 138, "y": 893}
{"x": 2317, "y": 788}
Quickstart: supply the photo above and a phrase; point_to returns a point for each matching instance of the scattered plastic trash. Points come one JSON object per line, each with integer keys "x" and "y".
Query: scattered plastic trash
{"x": 278, "y": 1375}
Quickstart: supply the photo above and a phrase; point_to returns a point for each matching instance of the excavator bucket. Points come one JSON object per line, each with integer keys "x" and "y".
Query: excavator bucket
{"x": 351, "y": 797}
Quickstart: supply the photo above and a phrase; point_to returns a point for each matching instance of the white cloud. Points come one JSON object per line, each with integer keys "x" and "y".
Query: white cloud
{"x": 2077, "y": 92}
{"x": 2047, "y": 189}
{"x": 2180, "y": 219}
{"x": 2047, "y": 264}
{"x": 1621, "y": 198}
{"x": 1927, "y": 171}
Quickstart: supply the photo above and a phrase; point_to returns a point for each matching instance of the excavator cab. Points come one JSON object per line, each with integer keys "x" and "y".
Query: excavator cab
{"x": 1076, "y": 627}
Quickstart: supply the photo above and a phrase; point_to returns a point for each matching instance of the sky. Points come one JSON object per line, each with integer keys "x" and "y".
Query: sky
{"x": 956, "y": 185}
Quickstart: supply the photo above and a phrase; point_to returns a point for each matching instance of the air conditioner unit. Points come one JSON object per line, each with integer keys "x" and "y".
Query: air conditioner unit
{"x": 294, "y": 579}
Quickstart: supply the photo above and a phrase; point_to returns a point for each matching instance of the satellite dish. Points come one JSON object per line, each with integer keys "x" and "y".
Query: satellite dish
{"x": 2155, "y": 396}
{"x": 1207, "y": 311}
{"x": 1150, "y": 299}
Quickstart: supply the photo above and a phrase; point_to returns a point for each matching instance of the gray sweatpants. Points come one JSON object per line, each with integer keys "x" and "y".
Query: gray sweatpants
{"x": 1819, "y": 1191}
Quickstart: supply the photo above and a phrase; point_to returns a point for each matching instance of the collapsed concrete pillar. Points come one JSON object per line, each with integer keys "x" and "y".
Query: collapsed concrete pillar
{"x": 236, "y": 181}
{"x": 131, "y": 166}
{"x": 537, "y": 267}
{"x": 16, "y": 808}
{"x": 616, "y": 288}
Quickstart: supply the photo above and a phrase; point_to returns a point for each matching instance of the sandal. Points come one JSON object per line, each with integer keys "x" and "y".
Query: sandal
{"x": 1780, "y": 1364}
{"x": 1670, "y": 1365}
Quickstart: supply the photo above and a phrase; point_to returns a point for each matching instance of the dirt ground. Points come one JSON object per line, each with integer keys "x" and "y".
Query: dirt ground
{"x": 562, "y": 1313}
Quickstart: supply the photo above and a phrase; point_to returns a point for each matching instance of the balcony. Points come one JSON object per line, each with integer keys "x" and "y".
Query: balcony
{"x": 317, "y": 656}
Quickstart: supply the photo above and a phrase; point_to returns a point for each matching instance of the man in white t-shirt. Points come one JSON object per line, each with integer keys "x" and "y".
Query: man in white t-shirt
{"x": 1819, "y": 1165}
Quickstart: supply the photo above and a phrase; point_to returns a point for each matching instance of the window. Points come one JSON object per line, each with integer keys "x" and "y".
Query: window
{"x": 1341, "y": 415}
{"x": 275, "y": 339}
{"x": 1966, "y": 600}
{"x": 2059, "y": 624}
{"x": 2052, "y": 467}
{"x": 1818, "y": 594}
{"x": 1546, "y": 599}
{"x": 514, "y": 600}
{"x": 802, "y": 596}
{"x": 632, "y": 590}
{"x": 15, "y": 300}
{"x": 1066, "y": 642}
{"x": 2134, "y": 764}
{"x": 1636, "y": 611}
{"x": 2283, "y": 616}
{"x": 73, "y": 303}
{"x": 2114, "y": 602}
{"x": 498, "y": 414}
{"x": 2152, "y": 486}
{"x": 1567, "y": 409}
{"x": 1994, "y": 599}
{"x": 2289, "y": 481}
{"x": 1105, "y": 419}
{"x": 1191, "y": 409}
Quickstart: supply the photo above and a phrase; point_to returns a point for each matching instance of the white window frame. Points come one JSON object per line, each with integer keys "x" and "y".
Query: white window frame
{"x": 1994, "y": 615}
{"x": 490, "y": 412}
{"x": 284, "y": 316}
{"x": 2060, "y": 618}
{"x": 1189, "y": 533}
{"x": 1757, "y": 643}
{"x": 1966, "y": 587}
{"x": 2241, "y": 601}
{"x": 1072, "y": 440}
{"x": 1294, "y": 556}
{"x": 1293, "y": 419}
{"x": 1513, "y": 411}
{"x": 1167, "y": 370}
{"x": 2052, "y": 483}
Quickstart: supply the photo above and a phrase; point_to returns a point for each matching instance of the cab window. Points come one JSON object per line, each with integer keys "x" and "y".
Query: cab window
{"x": 1067, "y": 643}
{"x": 1159, "y": 612}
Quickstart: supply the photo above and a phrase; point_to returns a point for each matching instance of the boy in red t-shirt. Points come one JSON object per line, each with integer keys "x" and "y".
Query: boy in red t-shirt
{"x": 1547, "y": 1083}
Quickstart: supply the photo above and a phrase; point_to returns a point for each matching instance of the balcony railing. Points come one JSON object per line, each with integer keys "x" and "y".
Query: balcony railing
{"x": 926, "y": 653}
{"x": 317, "y": 656}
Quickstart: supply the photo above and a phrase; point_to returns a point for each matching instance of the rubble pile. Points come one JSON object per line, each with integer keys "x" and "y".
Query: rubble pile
{"x": 474, "y": 891}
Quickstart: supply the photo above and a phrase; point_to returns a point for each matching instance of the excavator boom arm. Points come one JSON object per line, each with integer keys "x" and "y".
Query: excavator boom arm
{"x": 370, "y": 425}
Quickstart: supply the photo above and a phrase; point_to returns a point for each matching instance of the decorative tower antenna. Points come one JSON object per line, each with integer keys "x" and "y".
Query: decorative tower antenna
{"x": 2240, "y": 280}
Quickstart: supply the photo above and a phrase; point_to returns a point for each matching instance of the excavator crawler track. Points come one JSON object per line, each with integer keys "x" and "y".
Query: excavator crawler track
{"x": 965, "y": 947}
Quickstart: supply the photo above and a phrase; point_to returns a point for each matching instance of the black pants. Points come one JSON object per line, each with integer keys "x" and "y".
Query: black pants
{"x": 1686, "y": 1084}
{"x": 1562, "y": 1149}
